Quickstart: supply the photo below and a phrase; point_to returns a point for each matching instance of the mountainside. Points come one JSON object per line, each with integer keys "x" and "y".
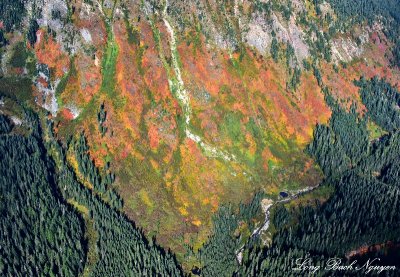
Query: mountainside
{"x": 231, "y": 132}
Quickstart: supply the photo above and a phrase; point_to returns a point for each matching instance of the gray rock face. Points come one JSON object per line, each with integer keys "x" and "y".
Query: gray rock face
{"x": 346, "y": 49}
{"x": 259, "y": 35}
{"x": 291, "y": 34}
{"x": 87, "y": 37}
{"x": 75, "y": 111}
{"x": 53, "y": 13}
{"x": 47, "y": 98}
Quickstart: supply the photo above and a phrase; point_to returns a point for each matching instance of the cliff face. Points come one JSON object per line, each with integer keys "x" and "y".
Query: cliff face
{"x": 206, "y": 101}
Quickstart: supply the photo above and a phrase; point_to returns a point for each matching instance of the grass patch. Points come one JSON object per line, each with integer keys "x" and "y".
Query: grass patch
{"x": 133, "y": 33}
{"x": 320, "y": 194}
{"x": 64, "y": 81}
{"x": 242, "y": 66}
{"x": 91, "y": 237}
{"x": 194, "y": 37}
{"x": 108, "y": 71}
{"x": 232, "y": 127}
{"x": 108, "y": 84}
{"x": 374, "y": 130}
{"x": 138, "y": 58}
{"x": 18, "y": 59}
{"x": 31, "y": 65}
{"x": 144, "y": 196}
{"x": 81, "y": 208}
{"x": 108, "y": 68}
{"x": 19, "y": 89}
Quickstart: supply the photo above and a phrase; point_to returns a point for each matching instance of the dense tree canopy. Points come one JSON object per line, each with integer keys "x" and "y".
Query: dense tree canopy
{"x": 42, "y": 234}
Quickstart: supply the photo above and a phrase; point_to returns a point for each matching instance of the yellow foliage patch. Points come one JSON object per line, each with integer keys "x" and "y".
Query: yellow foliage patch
{"x": 196, "y": 222}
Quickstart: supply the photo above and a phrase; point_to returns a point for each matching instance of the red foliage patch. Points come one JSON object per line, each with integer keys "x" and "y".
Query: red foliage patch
{"x": 67, "y": 114}
{"x": 49, "y": 52}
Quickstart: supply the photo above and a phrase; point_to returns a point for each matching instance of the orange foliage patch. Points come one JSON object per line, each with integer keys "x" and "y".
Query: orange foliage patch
{"x": 153, "y": 137}
{"x": 142, "y": 87}
{"x": 49, "y": 52}
{"x": 42, "y": 81}
{"x": 374, "y": 63}
{"x": 66, "y": 113}
{"x": 259, "y": 92}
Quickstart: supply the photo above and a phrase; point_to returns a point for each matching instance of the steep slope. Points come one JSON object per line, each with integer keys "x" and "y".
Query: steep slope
{"x": 194, "y": 105}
